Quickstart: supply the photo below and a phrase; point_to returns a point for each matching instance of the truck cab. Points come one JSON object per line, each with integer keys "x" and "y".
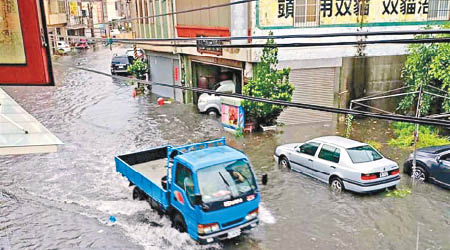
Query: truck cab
{"x": 209, "y": 191}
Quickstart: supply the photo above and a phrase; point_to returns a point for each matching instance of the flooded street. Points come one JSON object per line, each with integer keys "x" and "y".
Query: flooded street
{"x": 64, "y": 200}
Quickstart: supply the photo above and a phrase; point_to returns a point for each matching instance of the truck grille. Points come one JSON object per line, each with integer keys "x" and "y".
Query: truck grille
{"x": 232, "y": 222}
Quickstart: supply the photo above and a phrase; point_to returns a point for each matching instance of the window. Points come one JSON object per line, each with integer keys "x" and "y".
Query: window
{"x": 183, "y": 174}
{"x": 306, "y": 13}
{"x": 61, "y": 7}
{"x": 309, "y": 148}
{"x": 184, "y": 180}
{"x": 445, "y": 157}
{"x": 439, "y": 10}
{"x": 330, "y": 153}
{"x": 363, "y": 154}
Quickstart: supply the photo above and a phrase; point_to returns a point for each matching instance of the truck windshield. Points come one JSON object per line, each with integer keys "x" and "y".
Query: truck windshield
{"x": 363, "y": 154}
{"x": 226, "y": 181}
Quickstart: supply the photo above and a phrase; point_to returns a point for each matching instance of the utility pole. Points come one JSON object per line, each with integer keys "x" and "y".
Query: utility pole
{"x": 416, "y": 134}
{"x": 91, "y": 17}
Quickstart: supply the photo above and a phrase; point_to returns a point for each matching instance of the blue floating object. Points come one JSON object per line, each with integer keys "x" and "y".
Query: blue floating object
{"x": 112, "y": 219}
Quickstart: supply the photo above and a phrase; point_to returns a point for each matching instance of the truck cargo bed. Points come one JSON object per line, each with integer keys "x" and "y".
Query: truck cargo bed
{"x": 145, "y": 170}
{"x": 153, "y": 170}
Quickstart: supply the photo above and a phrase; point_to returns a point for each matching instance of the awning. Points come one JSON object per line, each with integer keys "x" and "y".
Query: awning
{"x": 21, "y": 133}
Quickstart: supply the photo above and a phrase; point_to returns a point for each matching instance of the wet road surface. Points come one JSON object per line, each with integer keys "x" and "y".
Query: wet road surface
{"x": 64, "y": 200}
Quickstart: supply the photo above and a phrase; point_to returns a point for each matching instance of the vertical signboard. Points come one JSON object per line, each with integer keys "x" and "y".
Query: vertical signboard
{"x": 24, "y": 52}
{"x": 232, "y": 113}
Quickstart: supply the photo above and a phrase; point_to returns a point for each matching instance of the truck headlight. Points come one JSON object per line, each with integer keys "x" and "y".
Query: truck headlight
{"x": 253, "y": 214}
{"x": 208, "y": 228}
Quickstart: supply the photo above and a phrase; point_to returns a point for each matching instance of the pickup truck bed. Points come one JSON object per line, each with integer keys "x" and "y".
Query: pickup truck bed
{"x": 153, "y": 170}
{"x": 145, "y": 169}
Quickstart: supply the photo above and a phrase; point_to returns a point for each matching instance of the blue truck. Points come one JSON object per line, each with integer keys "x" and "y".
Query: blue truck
{"x": 208, "y": 189}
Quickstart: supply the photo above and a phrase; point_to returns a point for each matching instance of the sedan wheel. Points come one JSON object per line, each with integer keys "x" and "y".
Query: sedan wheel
{"x": 419, "y": 174}
{"x": 336, "y": 185}
{"x": 284, "y": 163}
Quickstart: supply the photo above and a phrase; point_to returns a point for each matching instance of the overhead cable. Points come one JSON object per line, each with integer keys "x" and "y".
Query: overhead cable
{"x": 275, "y": 37}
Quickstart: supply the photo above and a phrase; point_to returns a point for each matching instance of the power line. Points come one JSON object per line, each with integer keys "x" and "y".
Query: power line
{"x": 291, "y": 45}
{"x": 391, "y": 117}
{"x": 182, "y": 11}
{"x": 322, "y": 35}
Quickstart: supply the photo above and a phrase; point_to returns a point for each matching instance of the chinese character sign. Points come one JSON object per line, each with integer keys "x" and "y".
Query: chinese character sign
{"x": 372, "y": 11}
{"x": 276, "y": 12}
{"x": 73, "y": 8}
{"x": 331, "y": 12}
{"x": 12, "y": 50}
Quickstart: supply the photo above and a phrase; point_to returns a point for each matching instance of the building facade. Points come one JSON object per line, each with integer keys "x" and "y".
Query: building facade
{"x": 326, "y": 75}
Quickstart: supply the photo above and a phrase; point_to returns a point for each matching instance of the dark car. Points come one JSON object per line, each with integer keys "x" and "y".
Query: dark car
{"x": 432, "y": 164}
{"x": 119, "y": 64}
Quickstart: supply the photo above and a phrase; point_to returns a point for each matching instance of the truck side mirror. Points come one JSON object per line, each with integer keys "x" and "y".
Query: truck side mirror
{"x": 264, "y": 179}
{"x": 197, "y": 199}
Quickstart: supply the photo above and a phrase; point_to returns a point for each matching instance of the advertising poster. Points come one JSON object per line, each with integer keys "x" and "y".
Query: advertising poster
{"x": 12, "y": 49}
{"x": 232, "y": 113}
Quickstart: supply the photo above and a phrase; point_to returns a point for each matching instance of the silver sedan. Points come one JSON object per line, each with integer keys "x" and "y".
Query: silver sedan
{"x": 343, "y": 163}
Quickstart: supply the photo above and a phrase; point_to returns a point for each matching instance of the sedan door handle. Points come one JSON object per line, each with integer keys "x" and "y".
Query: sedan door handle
{"x": 333, "y": 167}
{"x": 311, "y": 160}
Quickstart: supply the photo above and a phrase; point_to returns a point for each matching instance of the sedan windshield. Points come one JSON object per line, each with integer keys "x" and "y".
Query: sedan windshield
{"x": 226, "y": 181}
{"x": 363, "y": 154}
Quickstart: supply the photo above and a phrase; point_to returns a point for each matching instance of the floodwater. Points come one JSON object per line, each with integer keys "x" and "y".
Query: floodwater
{"x": 64, "y": 200}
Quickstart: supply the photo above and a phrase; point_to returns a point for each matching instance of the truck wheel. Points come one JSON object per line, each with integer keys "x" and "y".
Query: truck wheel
{"x": 138, "y": 194}
{"x": 212, "y": 111}
{"x": 178, "y": 223}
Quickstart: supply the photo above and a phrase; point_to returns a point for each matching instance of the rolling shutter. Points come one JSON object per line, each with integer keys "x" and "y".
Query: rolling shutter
{"x": 312, "y": 86}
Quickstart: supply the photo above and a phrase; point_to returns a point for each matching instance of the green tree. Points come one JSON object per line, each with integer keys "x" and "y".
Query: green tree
{"x": 270, "y": 83}
{"x": 138, "y": 69}
{"x": 427, "y": 65}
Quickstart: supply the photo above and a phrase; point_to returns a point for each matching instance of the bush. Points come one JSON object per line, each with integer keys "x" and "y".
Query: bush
{"x": 269, "y": 83}
{"x": 138, "y": 68}
{"x": 428, "y": 136}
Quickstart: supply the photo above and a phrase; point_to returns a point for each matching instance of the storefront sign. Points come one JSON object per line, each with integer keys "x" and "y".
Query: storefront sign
{"x": 24, "y": 52}
{"x": 280, "y": 13}
{"x": 232, "y": 113}
{"x": 276, "y": 13}
{"x": 350, "y": 11}
{"x": 203, "y": 46}
{"x": 73, "y": 6}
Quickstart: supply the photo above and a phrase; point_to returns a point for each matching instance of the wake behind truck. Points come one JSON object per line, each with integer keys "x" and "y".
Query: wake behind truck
{"x": 208, "y": 189}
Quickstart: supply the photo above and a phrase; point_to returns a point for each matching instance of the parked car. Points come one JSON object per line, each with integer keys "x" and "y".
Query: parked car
{"x": 432, "y": 164}
{"x": 82, "y": 44}
{"x": 62, "y": 47}
{"x": 211, "y": 103}
{"x": 343, "y": 163}
{"x": 119, "y": 64}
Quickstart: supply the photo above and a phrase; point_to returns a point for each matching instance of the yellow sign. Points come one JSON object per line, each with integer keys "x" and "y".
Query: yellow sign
{"x": 73, "y": 8}
{"x": 276, "y": 12}
{"x": 12, "y": 50}
{"x": 374, "y": 11}
{"x": 273, "y": 13}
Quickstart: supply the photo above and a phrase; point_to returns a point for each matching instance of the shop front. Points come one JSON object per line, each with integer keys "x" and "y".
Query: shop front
{"x": 212, "y": 73}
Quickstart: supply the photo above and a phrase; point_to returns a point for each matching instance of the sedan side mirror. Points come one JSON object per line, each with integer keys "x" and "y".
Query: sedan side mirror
{"x": 438, "y": 159}
{"x": 197, "y": 199}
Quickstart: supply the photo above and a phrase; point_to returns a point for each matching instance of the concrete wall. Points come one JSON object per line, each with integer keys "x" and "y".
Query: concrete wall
{"x": 364, "y": 76}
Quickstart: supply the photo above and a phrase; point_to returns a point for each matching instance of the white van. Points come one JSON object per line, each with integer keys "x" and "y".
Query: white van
{"x": 211, "y": 103}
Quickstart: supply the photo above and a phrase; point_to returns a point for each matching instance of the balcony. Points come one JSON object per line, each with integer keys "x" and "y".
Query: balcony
{"x": 77, "y": 22}
{"x": 55, "y": 19}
